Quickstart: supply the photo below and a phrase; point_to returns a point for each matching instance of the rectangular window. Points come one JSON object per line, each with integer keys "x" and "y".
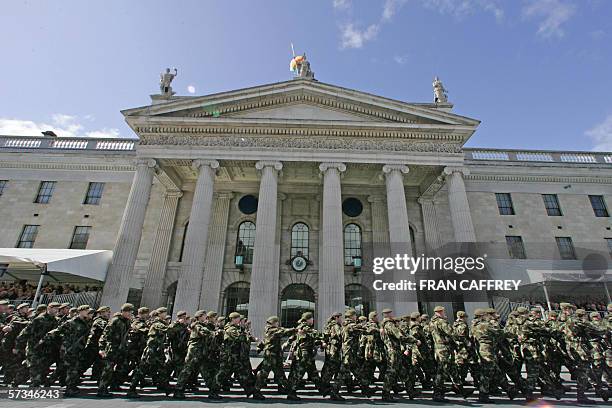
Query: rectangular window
{"x": 94, "y": 193}
{"x": 516, "y": 249}
{"x": 80, "y": 237}
{"x": 609, "y": 242}
{"x": 599, "y": 206}
{"x": 566, "y": 247}
{"x": 28, "y": 236}
{"x": 2, "y": 186}
{"x": 551, "y": 202}
{"x": 504, "y": 203}
{"x": 45, "y": 191}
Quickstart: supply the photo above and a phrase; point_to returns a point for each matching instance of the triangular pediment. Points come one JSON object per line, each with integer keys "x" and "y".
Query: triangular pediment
{"x": 300, "y": 101}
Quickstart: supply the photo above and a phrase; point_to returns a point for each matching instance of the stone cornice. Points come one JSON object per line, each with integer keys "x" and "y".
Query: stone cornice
{"x": 65, "y": 166}
{"x": 538, "y": 179}
{"x": 295, "y": 142}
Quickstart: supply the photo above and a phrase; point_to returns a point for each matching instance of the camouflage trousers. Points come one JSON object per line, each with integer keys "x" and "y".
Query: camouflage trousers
{"x": 239, "y": 367}
{"x": 12, "y": 365}
{"x": 330, "y": 373}
{"x": 72, "y": 364}
{"x": 194, "y": 364}
{"x": 271, "y": 363}
{"x": 352, "y": 367}
{"x": 299, "y": 367}
{"x": 38, "y": 365}
{"x": 153, "y": 364}
{"x": 92, "y": 359}
{"x": 392, "y": 373}
{"x": 445, "y": 368}
{"x": 112, "y": 366}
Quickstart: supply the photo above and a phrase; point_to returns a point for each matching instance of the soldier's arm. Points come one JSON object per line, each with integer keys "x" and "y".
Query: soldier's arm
{"x": 22, "y": 339}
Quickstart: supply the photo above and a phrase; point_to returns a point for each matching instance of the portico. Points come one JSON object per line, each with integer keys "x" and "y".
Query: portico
{"x": 301, "y": 148}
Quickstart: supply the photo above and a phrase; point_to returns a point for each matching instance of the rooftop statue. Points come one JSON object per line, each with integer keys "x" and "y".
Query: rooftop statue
{"x": 440, "y": 93}
{"x": 300, "y": 66}
{"x": 165, "y": 79}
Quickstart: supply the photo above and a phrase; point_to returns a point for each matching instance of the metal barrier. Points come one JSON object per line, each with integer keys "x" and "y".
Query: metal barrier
{"x": 75, "y": 299}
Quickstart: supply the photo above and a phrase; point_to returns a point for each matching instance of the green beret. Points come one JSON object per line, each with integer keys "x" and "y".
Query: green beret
{"x": 73, "y": 310}
{"x": 521, "y": 310}
{"x": 272, "y": 319}
{"x": 306, "y": 316}
{"x": 4, "y": 302}
{"x": 127, "y": 307}
{"x": 83, "y": 307}
{"x": 63, "y": 305}
{"x": 424, "y": 316}
{"x": 387, "y": 310}
{"x": 461, "y": 313}
{"x": 212, "y": 314}
{"x": 594, "y": 315}
{"x": 221, "y": 318}
{"x": 439, "y": 308}
{"x": 514, "y": 313}
{"x": 535, "y": 310}
{"x": 54, "y": 304}
{"x": 552, "y": 313}
{"x": 415, "y": 315}
{"x": 363, "y": 318}
{"x": 336, "y": 314}
{"x": 181, "y": 313}
{"x": 102, "y": 309}
{"x": 41, "y": 307}
{"x": 349, "y": 312}
{"x": 580, "y": 312}
{"x": 234, "y": 315}
{"x": 479, "y": 312}
{"x": 490, "y": 310}
{"x": 23, "y": 305}
{"x": 565, "y": 305}
{"x": 199, "y": 313}
{"x": 143, "y": 310}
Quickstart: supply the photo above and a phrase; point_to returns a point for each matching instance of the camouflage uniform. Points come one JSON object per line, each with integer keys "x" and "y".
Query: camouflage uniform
{"x": 307, "y": 340}
{"x": 113, "y": 343}
{"x": 153, "y": 361}
{"x": 351, "y": 332}
{"x": 374, "y": 349}
{"x": 37, "y": 354}
{"x": 232, "y": 357}
{"x": 11, "y": 365}
{"x": 273, "y": 355}
{"x": 332, "y": 335}
{"x": 463, "y": 344}
{"x": 178, "y": 337}
{"x": 92, "y": 347}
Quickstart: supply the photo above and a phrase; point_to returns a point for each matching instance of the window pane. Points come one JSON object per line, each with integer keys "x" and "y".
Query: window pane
{"x": 516, "y": 249}
{"x": 94, "y": 193}
{"x": 45, "y": 191}
{"x": 551, "y": 202}
{"x": 237, "y": 298}
{"x": 599, "y": 205}
{"x": 358, "y": 298}
{"x": 352, "y": 243}
{"x": 28, "y": 236}
{"x": 2, "y": 186}
{"x": 246, "y": 241}
{"x": 299, "y": 240}
{"x": 566, "y": 248}
{"x": 80, "y": 237}
{"x": 504, "y": 203}
{"x": 296, "y": 299}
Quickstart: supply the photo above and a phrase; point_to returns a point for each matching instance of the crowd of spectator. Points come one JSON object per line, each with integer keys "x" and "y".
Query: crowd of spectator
{"x": 24, "y": 290}
{"x": 589, "y": 303}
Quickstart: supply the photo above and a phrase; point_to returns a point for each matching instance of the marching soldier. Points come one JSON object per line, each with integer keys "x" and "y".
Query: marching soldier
{"x": 178, "y": 337}
{"x": 303, "y": 359}
{"x": 332, "y": 334}
{"x": 113, "y": 348}
{"x": 13, "y": 357}
{"x": 273, "y": 355}
{"x": 92, "y": 347}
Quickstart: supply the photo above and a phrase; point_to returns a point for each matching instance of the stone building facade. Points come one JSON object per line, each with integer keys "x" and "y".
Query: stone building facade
{"x": 262, "y": 199}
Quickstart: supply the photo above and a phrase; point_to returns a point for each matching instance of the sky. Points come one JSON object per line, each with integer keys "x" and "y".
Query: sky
{"x": 537, "y": 73}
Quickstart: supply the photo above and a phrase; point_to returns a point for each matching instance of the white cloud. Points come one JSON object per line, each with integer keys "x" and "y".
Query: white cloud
{"x": 353, "y": 37}
{"x": 191, "y": 89}
{"x": 62, "y": 125}
{"x": 342, "y": 4}
{"x": 460, "y": 9}
{"x": 401, "y": 59}
{"x": 601, "y": 134}
{"x": 553, "y": 15}
{"x": 391, "y": 7}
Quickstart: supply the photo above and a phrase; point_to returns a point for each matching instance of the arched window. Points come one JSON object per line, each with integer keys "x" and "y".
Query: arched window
{"x": 245, "y": 242}
{"x": 352, "y": 243}
{"x": 237, "y": 298}
{"x": 357, "y": 296}
{"x": 296, "y": 299}
{"x": 299, "y": 240}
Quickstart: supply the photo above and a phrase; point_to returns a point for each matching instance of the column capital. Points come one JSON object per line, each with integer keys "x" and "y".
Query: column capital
{"x": 224, "y": 195}
{"x": 278, "y": 166}
{"x": 388, "y": 168}
{"x": 323, "y": 167}
{"x": 173, "y": 193}
{"x": 376, "y": 198}
{"x": 448, "y": 170}
{"x": 196, "y": 164}
{"x": 146, "y": 162}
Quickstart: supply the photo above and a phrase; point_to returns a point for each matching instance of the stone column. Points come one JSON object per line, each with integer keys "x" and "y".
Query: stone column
{"x": 461, "y": 217}
{"x": 215, "y": 254}
{"x": 399, "y": 233}
{"x": 118, "y": 278}
{"x": 154, "y": 281}
{"x": 380, "y": 242}
{"x": 263, "y": 295}
{"x": 331, "y": 257}
{"x": 196, "y": 240}
{"x": 430, "y": 224}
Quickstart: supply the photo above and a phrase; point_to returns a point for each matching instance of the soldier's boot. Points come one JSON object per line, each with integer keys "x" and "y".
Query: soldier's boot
{"x": 257, "y": 395}
{"x": 529, "y": 396}
{"x": 132, "y": 393}
{"x": 603, "y": 394}
{"x": 335, "y": 396}
{"x": 463, "y": 392}
{"x": 366, "y": 391}
{"x": 511, "y": 392}
{"x": 103, "y": 393}
{"x": 582, "y": 399}
{"x": 484, "y": 398}
{"x": 438, "y": 397}
{"x": 178, "y": 393}
{"x": 292, "y": 396}
{"x": 71, "y": 392}
{"x": 387, "y": 397}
